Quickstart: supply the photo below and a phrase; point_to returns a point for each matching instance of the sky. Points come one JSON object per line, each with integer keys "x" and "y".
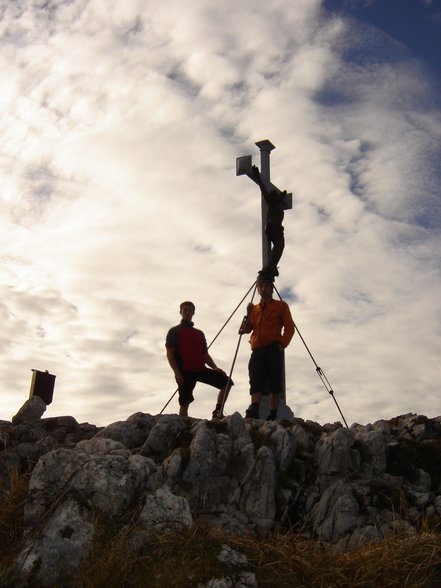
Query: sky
{"x": 120, "y": 125}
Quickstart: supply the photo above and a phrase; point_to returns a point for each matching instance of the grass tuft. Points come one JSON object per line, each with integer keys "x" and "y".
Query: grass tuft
{"x": 186, "y": 558}
{"x": 13, "y": 491}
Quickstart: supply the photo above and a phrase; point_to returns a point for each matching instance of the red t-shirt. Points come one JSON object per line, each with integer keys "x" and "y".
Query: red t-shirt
{"x": 190, "y": 346}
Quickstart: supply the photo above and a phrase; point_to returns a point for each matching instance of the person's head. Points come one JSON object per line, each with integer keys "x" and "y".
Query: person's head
{"x": 186, "y": 310}
{"x": 265, "y": 288}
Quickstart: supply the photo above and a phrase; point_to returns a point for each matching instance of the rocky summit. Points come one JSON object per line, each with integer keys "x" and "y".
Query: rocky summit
{"x": 338, "y": 485}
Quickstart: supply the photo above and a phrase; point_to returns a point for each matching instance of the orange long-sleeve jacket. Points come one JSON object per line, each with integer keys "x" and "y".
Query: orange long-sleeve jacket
{"x": 271, "y": 322}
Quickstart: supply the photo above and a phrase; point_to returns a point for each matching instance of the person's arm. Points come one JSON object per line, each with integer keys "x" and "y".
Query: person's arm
{"x": 256, "y": 176}
{"x": 288, "y": 326}
{"x": 210, "y": 362}
{"x": 247, "y": 326}
{"x": 174, "y": 366}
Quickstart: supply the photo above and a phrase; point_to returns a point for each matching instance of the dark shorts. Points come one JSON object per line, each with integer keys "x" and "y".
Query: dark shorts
{"x": 206, "y": 376}
{"x": 266, "y": 369}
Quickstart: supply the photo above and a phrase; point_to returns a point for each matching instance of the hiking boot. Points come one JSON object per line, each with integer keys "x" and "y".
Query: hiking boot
{"x": 217, "y": 415}
{"x": 252, "y": 413}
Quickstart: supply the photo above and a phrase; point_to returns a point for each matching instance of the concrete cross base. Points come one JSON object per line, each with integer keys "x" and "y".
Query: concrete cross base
{"x": 284, "y": 413}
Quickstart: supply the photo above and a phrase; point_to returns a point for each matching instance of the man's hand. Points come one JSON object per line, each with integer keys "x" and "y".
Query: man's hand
{"x": 179, "y": 378}
{"x": 245, "y": 326}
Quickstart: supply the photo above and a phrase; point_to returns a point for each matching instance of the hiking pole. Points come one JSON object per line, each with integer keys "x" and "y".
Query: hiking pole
{"x": 170, "y": 399}
{"x": 228, "y": 384}
{"x": 228, "y": 387}
{"x": 319, "y": 370}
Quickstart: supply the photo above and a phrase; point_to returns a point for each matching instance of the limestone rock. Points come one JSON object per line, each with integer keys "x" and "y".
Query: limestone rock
{"x": 345, "y": 486}
{"x": 31, "y": 411}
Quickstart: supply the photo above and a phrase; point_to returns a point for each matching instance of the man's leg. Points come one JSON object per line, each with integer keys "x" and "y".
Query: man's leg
{"x": 253, "y": 410}
{"x": 186, "y": 393}
{"x": 183, "y": 410}
{"x": 217, "y": 380}
{"x": 223, "y": 394}
{"x": 218, "y": 412}
{"x": 276, "y": 377}
{"x": 274, "y": 406}
{"x": 276, "y": 236}
{"x": 256, "y": 372}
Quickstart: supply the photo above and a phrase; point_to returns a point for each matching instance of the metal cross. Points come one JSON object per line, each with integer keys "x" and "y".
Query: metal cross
{"x": 244, "y": 166}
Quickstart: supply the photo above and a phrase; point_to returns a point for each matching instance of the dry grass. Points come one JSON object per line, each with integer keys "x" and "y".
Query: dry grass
{"x": 397, "y": 562}
{"x": 188, "y": 558}
{"x": 13, "y": 492}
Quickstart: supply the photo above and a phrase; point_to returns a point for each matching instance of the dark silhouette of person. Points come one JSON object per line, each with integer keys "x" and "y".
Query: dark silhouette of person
{"x": 273, "y": 229}
{"x": 188, "y": 356}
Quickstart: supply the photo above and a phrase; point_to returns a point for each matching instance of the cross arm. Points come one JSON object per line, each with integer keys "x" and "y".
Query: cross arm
{"x": 244, "y": 166}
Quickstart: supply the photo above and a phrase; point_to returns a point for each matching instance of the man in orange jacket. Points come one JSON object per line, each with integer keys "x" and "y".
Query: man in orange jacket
{"x": 272, "y": 328}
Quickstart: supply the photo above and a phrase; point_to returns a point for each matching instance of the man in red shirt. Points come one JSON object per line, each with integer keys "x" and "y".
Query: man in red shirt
{"x": 272, "y": 328}
{"x": 188, "y": 356}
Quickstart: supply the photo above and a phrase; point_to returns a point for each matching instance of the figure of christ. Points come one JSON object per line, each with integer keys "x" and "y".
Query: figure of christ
{"x": 273, "y": 229}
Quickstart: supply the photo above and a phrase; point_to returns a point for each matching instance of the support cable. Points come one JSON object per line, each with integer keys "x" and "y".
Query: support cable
{"x": 318, "y": 369}
{"x": 227, "y": 387}
{"x": 232, "y": 314}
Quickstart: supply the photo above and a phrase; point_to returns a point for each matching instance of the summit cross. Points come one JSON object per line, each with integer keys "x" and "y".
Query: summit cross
{"x": 273, "y": 204}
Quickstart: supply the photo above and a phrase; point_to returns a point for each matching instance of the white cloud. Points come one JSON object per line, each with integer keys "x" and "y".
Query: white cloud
{"x": 119, "y": 130}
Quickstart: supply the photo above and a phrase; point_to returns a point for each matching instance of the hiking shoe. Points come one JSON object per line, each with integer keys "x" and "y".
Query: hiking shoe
{"x": 272, "y": 415}
{"x": 251, "y": 413}
{"x": 217, "y": 415}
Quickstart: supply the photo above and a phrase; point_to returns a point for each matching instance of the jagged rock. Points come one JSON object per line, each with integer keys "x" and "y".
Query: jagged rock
{"x": 344, "y": 486}
{"x": 162, "y": 512}
{"x": 283, "y": 442}
{"x": 60, "y": 544}
{"x": 337, "y": 455}
{"x": 30, "y": 412}
{"x": 131, "y": 433}
{"x": 207, "y": 475}
{"x": 231, "y": 557}
{"x": 337, "y": 512}
{"x": 372, "y": 443}
{"x": 239, "y": 580}
{"x": 258, "y": 493}
{"x": 99, "y": 446}
{"x": 163, "y": 436}
{"x": 108, "y": 482}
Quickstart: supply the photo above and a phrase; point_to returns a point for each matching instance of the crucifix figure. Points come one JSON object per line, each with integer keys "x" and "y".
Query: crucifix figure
{"x": 273, "y": 228}
{"x": 274, "y": 203}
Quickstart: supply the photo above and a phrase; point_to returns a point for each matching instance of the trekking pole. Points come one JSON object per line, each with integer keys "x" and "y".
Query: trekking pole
{"x": 227, "y": 388}
{"x": 228, "y": 384}
{"x": 170, "y": 399}
{"x": 319, "y": 370}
